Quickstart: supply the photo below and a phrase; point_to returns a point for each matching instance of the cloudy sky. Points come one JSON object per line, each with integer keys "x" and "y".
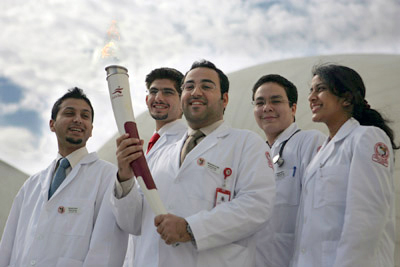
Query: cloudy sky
{"x": 50, "y": 46}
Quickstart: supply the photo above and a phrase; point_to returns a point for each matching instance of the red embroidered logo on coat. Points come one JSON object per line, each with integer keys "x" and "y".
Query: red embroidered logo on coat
{"x": 200, "y": 161}
{"x": 61, "y": 209}
{"x": 270, "y": 164}
{"x": 381, "y": 154}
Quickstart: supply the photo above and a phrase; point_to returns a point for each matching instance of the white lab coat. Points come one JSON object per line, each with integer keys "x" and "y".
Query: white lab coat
{"x": 224, "y": 234}
{"x": 37, "y": 233}
{"x": 275, "y": 243}
{"x": 347, "y": 214}
{"x": 172, "y": 132}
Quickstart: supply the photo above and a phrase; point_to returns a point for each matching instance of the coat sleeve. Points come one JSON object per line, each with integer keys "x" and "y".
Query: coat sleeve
{"x": 108, "y": 242}
{"x": 7, "y": 240}
{"x": 251, "y": 206}
{"x": 369, "y": 202}
{"x": 128, "y": 210}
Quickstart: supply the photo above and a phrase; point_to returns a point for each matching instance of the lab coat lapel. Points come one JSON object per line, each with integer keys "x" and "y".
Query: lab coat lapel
{"x": 45, "y": 183}
{"x": 160, "y": 142}
{"x": 207, "y": 143}
{"x": 71, "y": 176}
{"x": 328, "y": 148}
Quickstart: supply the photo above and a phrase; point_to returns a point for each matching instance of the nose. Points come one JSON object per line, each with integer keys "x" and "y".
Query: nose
{"x": 77, "y": 118}
{"x": 312, "y": 96}
{"x": 159, "y": 95}
{"x": 197, "y": 90}
{"x": 267, "y": 106}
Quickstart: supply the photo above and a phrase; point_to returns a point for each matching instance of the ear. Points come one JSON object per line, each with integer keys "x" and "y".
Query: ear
{"x": 225, "y": 99}
{"x": 293, "y": 109}
{"x": 51, "y": 124}
{"x": 346, "y": 103}
{"x": 347, "y": 100}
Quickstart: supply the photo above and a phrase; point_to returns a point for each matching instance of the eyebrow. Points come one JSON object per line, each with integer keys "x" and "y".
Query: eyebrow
{"x": 272, "y": 97}
{"x": 318, "y": 84}
{"x": 202, "y": 81}
{"x": 169, "y": 88}
{"x": 72, "y": 108}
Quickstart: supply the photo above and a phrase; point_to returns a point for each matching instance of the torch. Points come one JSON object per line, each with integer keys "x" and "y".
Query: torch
{"x": 118, "y": 85}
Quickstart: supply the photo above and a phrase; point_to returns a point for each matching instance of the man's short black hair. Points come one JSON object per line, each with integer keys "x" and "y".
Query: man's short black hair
{"x": 76, "y": 93}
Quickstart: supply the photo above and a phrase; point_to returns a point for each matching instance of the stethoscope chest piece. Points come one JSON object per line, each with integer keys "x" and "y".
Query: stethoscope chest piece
{"x": 278, "y": 160}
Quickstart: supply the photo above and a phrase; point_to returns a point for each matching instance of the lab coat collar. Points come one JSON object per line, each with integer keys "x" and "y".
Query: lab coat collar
{"x": 168, "y": 130}
{"x": 89, "y": 158}
{"x": 75, "y": 156}
{"x": 208, "y": 142}
{"x": 328, "y": 147}
{"x": 285, "y": 135}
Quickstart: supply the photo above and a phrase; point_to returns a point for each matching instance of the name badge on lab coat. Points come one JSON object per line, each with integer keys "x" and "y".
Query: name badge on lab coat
{"x": 68, "y": 210}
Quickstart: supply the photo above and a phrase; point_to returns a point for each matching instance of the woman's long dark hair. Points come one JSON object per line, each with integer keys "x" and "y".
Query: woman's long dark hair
{"x": 347, "y": 83}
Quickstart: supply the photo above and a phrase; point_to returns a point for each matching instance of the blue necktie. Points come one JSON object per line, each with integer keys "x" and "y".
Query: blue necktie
{"x": 59, "y": 176}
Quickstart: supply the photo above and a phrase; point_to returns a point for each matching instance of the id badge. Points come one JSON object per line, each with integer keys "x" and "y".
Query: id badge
{"x": 222, "y": 195}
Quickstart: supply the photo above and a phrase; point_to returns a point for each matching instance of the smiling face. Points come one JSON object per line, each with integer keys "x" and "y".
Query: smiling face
{"x": 327, "y": 107}
{"x": 73, "y": 125}
{"x": 202, "y": 102}
{"x": 163, "y": 102}
{"x": 272, "y": 110}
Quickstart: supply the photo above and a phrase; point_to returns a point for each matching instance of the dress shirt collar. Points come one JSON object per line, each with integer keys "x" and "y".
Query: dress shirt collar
{"x": 75, "y": 156}
{"x": 208, "y": 129}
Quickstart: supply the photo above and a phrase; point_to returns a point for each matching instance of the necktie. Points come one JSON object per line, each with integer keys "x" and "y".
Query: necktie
{"x": 190, "y": 143}
{"x": 59, "y": 176}
{"x": 152, "y": 141}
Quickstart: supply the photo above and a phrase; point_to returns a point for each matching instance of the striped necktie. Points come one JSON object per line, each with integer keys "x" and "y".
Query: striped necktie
{"x": 190, "y": 143}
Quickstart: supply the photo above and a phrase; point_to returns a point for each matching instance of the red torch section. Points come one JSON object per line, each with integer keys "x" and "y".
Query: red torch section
{"x": 139, "y": 166}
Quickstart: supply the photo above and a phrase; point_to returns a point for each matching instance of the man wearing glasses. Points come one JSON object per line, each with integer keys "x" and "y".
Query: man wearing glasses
{"x": 216, "y": 183}
{"x": 163, "y": 102}
{"x": 275, "y": 103}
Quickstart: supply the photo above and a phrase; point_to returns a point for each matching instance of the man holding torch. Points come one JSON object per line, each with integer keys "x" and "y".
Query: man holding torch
{"x": 163, "y": 102}
{"x": 216, "y": 183}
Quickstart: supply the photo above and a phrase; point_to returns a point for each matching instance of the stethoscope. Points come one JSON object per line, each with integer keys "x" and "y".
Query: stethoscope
{"x": 278, "y": 158}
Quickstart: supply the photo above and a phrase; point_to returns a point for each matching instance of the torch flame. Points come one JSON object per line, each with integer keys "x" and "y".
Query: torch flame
{"x": 113, "y": 35}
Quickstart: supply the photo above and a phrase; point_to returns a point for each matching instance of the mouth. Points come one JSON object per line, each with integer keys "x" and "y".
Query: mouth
{"x": 160, "y": 106}
{"x": 197, "y": 102}
{"x": 268, "y": 118}
{"x": 315, "y": 108}
{"x": 75, "y": 129}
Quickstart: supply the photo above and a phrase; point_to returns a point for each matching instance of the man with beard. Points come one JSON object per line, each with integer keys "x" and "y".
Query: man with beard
{"x": 59, "y": 216}
{"x": 218, "y": 194}
{"x": 163, "y": 102}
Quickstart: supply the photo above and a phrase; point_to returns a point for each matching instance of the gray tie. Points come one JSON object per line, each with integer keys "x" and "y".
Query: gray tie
{"x": 59, "y": 176}
{"x": 190, "y": 143}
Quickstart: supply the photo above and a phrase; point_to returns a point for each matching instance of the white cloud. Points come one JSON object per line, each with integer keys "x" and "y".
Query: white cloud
{"x": 49, "y": 46}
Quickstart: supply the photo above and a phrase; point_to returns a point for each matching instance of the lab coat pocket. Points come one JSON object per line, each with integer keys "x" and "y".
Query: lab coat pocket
{"x": 287, "y": 188}
{"x": 74, "y": 217}
{"x": 328, "y": 253}
{"x": 65, "y": 262}
{"x": 331, "y": 186}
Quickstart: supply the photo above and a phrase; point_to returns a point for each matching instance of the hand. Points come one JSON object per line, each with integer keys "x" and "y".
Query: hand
{"x": 128, "y": 150}
{"x": 171, "y": 228}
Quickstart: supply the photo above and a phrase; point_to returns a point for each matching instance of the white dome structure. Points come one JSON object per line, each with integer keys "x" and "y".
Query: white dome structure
{"x": 381, "y": 75}
{"x": 11, "y": 181}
